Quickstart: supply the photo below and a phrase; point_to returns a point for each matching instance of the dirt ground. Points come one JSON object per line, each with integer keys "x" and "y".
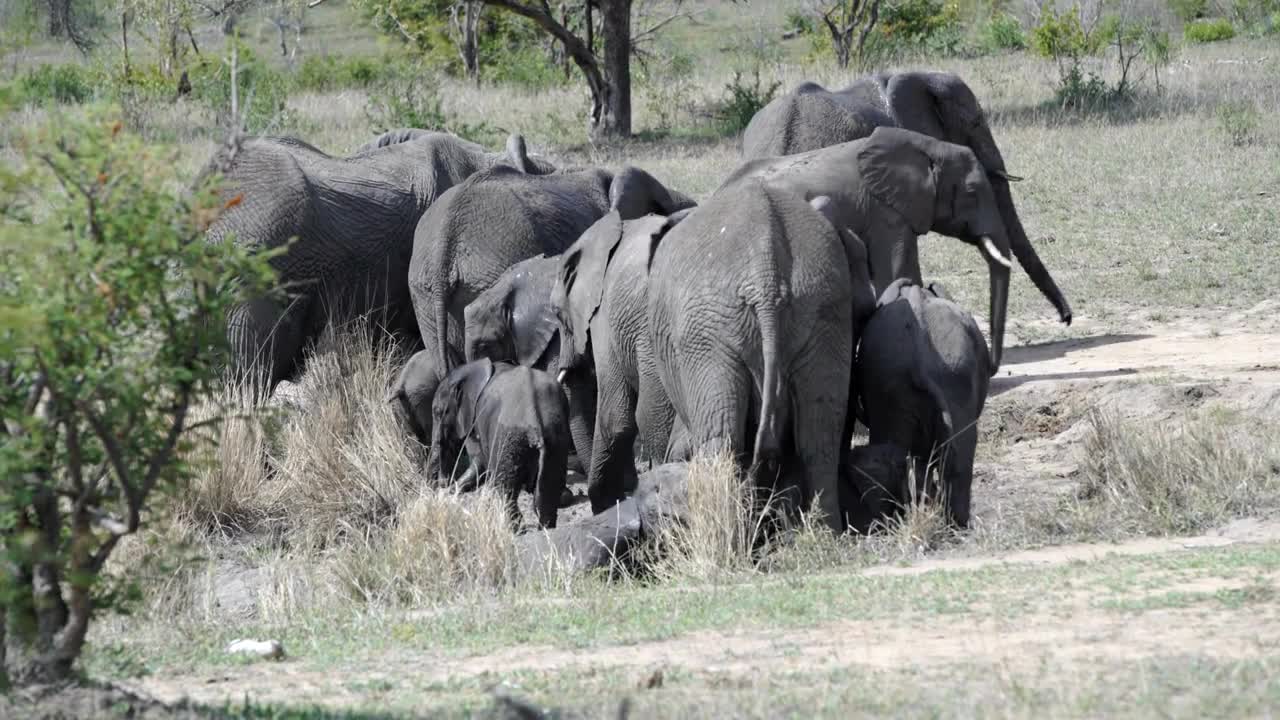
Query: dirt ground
{"x": 1033, "y": 424}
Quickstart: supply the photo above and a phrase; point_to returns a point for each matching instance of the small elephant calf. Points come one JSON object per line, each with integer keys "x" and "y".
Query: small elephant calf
{"x": 514, "y": 421}
{"x": 923, "y": 371}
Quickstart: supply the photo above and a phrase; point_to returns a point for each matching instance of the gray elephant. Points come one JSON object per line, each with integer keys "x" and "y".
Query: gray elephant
{"x": 893, "y": 186}
{"x": 600, "y": 297}
{"x": 923, "y": 373}
{"x": 755, "y": 305}
{"x": 478, "y": 229}
{"x": 937, "y": 104}
{"x": 353, "y": 219}
{"x": 514, "y": 423}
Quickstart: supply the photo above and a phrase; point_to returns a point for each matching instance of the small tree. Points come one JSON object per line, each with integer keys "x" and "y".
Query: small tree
{"x": 112, "y": 314}
{"x": 849, "y": 22}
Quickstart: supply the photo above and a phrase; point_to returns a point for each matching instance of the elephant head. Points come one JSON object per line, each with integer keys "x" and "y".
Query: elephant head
{"x": 935, "y": 185}
{"x": 413, "y": 389}
{"x": 580, "y": 285}
{"x": 873, "y": 483}
{"x": 514, "y": 321}
{"x": 453, "y": 413}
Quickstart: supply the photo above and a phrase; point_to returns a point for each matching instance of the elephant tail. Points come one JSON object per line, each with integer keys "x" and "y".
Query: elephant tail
{"x": 773, "y": 405}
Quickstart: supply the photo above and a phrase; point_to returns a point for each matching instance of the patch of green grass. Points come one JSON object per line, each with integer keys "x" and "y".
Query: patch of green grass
{"x": 1207, "y": 31}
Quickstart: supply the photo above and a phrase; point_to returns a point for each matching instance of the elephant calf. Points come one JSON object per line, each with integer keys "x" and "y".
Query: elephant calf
{"x": 923, "y": 371}
{"x": 514, "y": 421}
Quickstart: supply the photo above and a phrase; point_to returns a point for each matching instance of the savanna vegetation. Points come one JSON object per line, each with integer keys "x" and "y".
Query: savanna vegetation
{"x": 152, "y": 511}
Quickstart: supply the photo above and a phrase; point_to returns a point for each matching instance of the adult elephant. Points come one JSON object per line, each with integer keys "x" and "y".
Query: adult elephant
{"x": 937, "y": 104}
{"x": 890, "y": 188}
{"x": 499, "y": 217}
{"x": 755, "y": 305}
{"x": 353, "y": 219}
{"x": 600, "y": 297}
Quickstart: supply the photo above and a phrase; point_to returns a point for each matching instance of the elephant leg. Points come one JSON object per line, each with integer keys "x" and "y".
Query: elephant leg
{"x": 720, "y": 396}
{"x": 512, "y": 465}
{"x": 581, "y": 395}
{"x": 613, "y": 449}
{"x": 552, "y": 467}
{"x": 820, "y": 426}
{"x": 267, "y": 340}
{"x": 654, "y": 416}
{"x": 957, "y": 473}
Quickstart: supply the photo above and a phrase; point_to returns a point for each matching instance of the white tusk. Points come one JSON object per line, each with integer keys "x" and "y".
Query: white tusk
{"x": 994, "y": 252}
{"x": 560, "y": 376}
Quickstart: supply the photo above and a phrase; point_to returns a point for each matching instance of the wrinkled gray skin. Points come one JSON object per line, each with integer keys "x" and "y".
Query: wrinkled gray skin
{"x": 600, "y": 296}
{"x": 923, "y": 373}
{"x": 755, "y": 304}
{"x": 514, "y": 423}
{"x": 413, "y": 389}
{"x": 496, "y": 218}
{"x": 890, "y": 188}
{"x": 354, "y": 220}
{"x": 936, "y": 104}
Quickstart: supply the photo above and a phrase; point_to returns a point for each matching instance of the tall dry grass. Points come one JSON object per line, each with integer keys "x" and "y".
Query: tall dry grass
{"x": 1141, "y": 478}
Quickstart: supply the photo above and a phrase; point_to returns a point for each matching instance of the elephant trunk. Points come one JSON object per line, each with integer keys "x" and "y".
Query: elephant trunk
{"x": 999, "y": 267}
{"x": 1022, "y": 249}
{"x": 582, "y": 415}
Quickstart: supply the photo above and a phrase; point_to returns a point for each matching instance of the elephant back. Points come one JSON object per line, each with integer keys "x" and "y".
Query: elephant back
{"x": 810, "y": 118}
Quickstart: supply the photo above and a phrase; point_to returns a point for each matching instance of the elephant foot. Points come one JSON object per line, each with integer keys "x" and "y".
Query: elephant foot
{"x": 567, "y": 498}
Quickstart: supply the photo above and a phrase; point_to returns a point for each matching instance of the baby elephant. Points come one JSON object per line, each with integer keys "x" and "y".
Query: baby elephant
{"x": 514, "y": 421}
{"x": 923, "y": 370}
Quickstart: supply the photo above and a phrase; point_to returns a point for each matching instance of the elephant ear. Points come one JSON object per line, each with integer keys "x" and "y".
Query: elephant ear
{"x": 518, "y": 153}
{"x": 582, "y": 273}
{"x": 894, "y": 291}
{"x": 635, "y": 193}
{"x": 898, "y": 173}
{"x": 533, "y": 323}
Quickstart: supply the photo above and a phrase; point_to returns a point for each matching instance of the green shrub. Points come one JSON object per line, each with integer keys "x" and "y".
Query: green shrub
{"x": 1239, "y": 121}
{"x": 915, "y": 21}
{"x": 665, "y": 86}
{"x": 1004, "y": 32}
{"x": 112, "y": 317}
{"x": 262, "y": 91}
{"x": 744, "y": 101}
{"x": 1206, "y": 31}
{"x": 62, "y": 83}
{"x": 1082, "y": 91}
{"x": 526, "y": 67}
{"x": 799, "y": 23}
{"x": 1189, "y": 10}
{"x": 321, "y": 73}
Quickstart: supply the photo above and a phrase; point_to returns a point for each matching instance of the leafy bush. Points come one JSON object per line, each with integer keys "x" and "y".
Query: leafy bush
{"x": 1004, "y": 32}
{"x": 798, "y": 23}
{"x": 1206, "y": 31}
{"x": 1081, "y": 91}
{"x": 915, "y": 21}
{"x": 1239, "y": 121}
{"x": 665, "y": 85}
{"x": 262, "y": 91}
{"x": 1189, "y": 10}
{"x": 112, "y": 324}
{"x": 744, "y": 101}
{"x": 321, "y": 73}
{"x": 62, "y": 83}
{"x": 526, "y": 67}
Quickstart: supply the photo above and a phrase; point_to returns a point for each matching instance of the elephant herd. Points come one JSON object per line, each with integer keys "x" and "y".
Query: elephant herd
{"x": 579, "y": 311}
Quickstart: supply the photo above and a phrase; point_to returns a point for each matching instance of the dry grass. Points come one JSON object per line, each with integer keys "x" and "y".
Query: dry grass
{"x": 721, "y": 528}
{"x": 1144, "y": 479}
{"x": 344, "y": 463}
{"x": 441, "y": 547}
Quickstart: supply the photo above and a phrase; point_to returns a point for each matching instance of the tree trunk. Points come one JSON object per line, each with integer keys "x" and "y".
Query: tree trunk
{"x": 124, "y": 38}
{"x": 469, "y": 48}
{"x": 617, "y": 67}
{"x": 60, "y": 18}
